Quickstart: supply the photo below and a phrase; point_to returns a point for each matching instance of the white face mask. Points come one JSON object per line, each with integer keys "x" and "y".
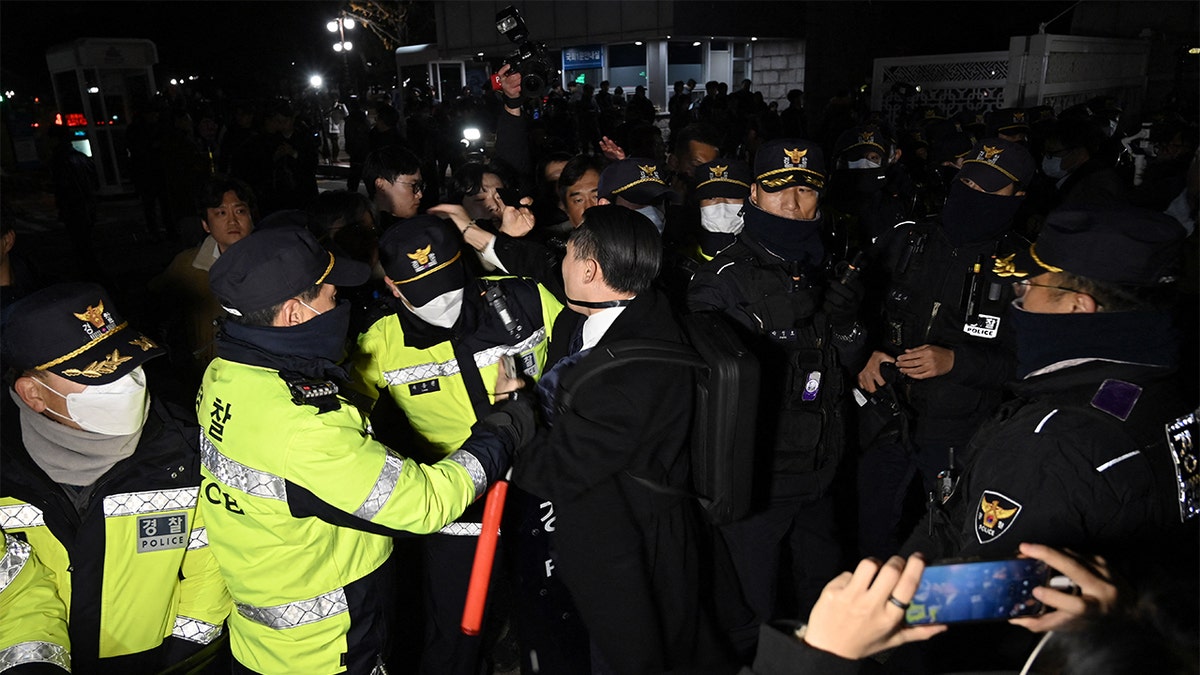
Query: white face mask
{"x": 1052, "y": 167}
{"x": 441, "y": 311}
{"x": 654, "y": 215}
{"x": 863, "y": 164}
{"x": 115, "y": 409}
{"x": 722, "y": 218}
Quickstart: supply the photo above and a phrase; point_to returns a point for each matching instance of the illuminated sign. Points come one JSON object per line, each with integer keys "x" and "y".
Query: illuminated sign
{"x": 584, "y": 56}
{"x": 73, "y": 120}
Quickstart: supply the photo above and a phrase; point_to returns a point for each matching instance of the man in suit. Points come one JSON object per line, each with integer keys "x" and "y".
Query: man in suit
{"x": 615, "y": 462}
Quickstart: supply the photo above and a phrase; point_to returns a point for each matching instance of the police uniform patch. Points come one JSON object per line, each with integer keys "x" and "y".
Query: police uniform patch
{"x": 529, "y": 364}
{"x": 994, "y": 516}
{"x": 982, "y": 326}
{"x": 1181, "y": 439}
{"x": 424, "y": 387}
{"x": 162, "y": 532}
{"x": 1117, "y": 398}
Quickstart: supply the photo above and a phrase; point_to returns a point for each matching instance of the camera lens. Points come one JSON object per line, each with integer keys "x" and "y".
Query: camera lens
{"x": 533, "y": 85}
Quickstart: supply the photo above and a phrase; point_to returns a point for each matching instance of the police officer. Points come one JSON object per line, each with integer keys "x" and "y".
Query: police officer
{"x": 941, "y": 324}
{"x": 302, "y": 501}
{"x": 720, "y": 188}
{"x": 776, "y": 282}
{"x": 101, "y": 478}
{"x": 1079, "y": 458}
{"x": 436, "y": 347}
{"x": 869, "y": 189}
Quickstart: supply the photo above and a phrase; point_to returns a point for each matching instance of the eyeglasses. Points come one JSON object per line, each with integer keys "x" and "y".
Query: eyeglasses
{"x": 1022, "y": 286}
{"x": 417, "y": 187}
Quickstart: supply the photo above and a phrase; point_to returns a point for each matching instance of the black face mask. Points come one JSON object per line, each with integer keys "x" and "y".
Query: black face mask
{"x": 1136, "y": 337}
{"x": 312, "y": 348}
{"x": 858, "y": 181}
{"x": 971, "y": 216}
{"x": 790, "y": 239}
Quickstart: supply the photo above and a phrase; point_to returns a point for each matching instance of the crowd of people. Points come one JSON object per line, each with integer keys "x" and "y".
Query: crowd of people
{"x": 975, "y": 337}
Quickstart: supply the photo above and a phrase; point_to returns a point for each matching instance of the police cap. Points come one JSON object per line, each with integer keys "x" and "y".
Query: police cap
{"x": 74, "y": 330}
{"x": 1125, "y": 246}
{"x": 271, "y": 265}
{"x": 423, "y": 258}
{"x": 789, "y": 162}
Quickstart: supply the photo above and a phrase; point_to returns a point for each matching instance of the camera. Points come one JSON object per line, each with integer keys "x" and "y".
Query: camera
{"x": 529, "y": 58}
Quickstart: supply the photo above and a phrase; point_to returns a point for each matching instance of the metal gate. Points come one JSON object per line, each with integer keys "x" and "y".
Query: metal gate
{"x": 1055, "y": 70}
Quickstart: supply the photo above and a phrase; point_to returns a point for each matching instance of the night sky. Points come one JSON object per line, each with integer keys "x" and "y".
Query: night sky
{"x": 220, "y": 38}
{"x": 257, "y": 42}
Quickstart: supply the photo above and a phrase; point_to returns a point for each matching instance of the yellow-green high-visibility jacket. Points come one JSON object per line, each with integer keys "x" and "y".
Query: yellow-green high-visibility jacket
{"x": 301, "y": 507}
{"x": 444, "y": 379}
{"x": 130, "y": 561}
{"x": 33, "y": 619}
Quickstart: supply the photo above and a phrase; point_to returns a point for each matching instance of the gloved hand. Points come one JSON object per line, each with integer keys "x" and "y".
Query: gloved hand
{"x": 513, "y": 420}
{"x": 499, "y": 434}
{"x": 842, "y": 299}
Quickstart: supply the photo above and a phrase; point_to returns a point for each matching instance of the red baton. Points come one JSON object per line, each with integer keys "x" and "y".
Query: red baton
{"x": 485, "y": 553}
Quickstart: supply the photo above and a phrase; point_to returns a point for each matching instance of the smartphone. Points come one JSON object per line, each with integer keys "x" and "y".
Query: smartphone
{"x": 987, "y": 590}
{"x": 510, "y": 196}
{"x": 509, "y": 364}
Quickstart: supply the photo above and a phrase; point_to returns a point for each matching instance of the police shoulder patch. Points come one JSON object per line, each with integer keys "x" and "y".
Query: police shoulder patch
{"x": 994, "y": 516}
{"x": 1117, "y": 398}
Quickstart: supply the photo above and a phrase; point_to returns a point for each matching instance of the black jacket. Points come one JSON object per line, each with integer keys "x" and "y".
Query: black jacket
{"x": 625, "y": 550}
{"x": 777, "y": 305}
{"x": 1058, "y": 466}
{"x": 926, "y": 283}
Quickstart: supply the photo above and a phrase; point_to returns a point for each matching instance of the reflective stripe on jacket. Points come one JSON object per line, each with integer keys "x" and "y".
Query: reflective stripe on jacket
{"x": 34, "y": 629}
{"x": 132, "y": 567}
{"x": 301, "y": 507}
{"x": 428, "y": 382}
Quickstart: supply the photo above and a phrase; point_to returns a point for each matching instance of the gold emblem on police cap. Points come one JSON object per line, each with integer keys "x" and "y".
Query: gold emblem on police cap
{"x": 991, "y": 154}
{"x": 1018, "y": 117}
{"x": 795, "y": 154}
{"x": 1007, "y": 267}
{"x": 144, "y": 342}
{"x": 107, "y": 366}
{"x": 649, "y": 169}
{"x": 421, "y": 255}
{"x": 719, "y": 171}
{"x": 93, "y": 315}
{"x": 867, "y": 137}
{"x": 779, "y": 181}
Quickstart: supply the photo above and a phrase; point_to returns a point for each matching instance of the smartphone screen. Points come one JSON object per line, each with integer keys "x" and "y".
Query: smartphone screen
{"x": 991, "y": 590}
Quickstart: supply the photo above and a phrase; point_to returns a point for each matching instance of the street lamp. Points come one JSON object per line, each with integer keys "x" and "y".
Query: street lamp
{"x": 316, "y": 81}
{"x": 340, "y": 26}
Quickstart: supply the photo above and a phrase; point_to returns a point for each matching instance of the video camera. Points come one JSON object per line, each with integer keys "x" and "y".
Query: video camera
{"x": 529, "y": 59}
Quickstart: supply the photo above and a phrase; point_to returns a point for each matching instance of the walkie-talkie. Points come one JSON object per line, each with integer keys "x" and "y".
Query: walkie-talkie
{"x": 973, "y": 288}
{"x": 851, "y": 270}
{"x": 495, "y": 298}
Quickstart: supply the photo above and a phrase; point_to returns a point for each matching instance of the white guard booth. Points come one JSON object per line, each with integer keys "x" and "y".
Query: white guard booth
{"x": 97, "y": 82}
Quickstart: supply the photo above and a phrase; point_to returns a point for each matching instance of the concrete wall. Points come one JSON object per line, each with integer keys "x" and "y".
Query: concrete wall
{"x": 777, "y": 67}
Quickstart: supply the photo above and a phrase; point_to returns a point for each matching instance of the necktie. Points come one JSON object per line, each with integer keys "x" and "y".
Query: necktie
{"x": 548, "y": 385}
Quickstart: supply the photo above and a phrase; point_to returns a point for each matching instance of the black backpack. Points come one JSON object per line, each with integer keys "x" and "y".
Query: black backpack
{"x": 726, "y": 397}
